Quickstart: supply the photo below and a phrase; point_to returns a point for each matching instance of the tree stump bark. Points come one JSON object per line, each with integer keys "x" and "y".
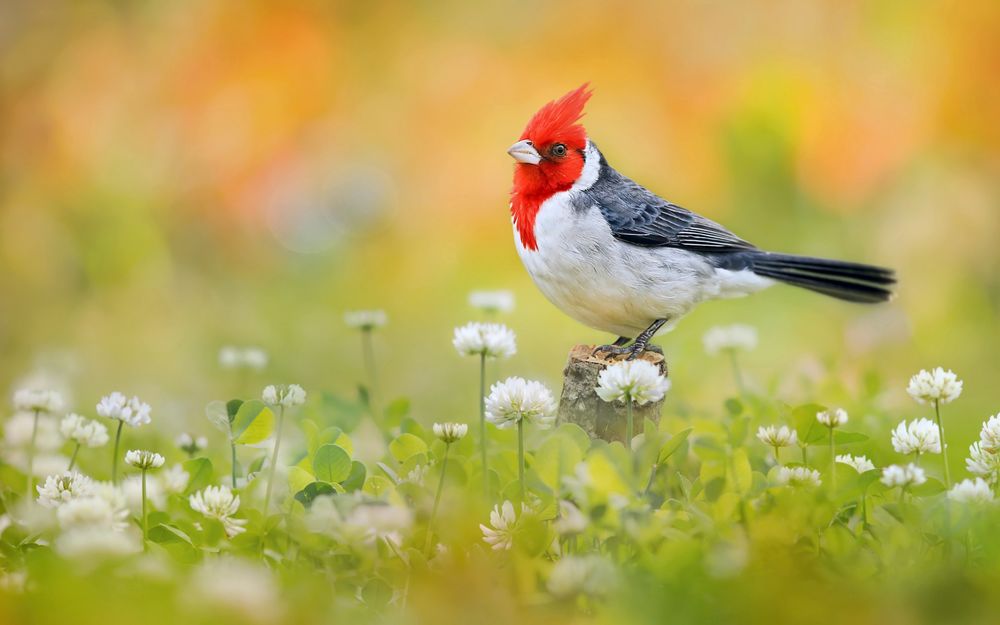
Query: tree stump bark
{"x": 580, "y": 404}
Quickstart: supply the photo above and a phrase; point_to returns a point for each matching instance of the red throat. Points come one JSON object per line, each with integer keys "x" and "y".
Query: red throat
{"x": 555, "y": 123}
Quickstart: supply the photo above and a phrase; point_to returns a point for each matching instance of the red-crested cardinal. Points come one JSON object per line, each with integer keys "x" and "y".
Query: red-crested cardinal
{"x": 620, "y": 259}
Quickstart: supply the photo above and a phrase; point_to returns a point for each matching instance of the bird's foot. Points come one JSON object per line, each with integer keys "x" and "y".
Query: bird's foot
{"x": 612, "y": 350}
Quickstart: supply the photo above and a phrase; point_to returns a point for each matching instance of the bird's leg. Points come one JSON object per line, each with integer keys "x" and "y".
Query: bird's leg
{"x": 615, "y": 349}
{"x": 641, "y": 341}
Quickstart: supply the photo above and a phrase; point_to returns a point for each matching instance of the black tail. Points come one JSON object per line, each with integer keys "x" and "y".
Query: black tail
{"x": 853, "y": 282}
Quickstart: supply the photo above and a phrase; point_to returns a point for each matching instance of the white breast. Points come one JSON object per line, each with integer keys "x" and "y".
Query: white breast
{"x": 613, "y": 286}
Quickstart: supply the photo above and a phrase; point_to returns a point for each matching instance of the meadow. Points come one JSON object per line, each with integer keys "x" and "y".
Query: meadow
{"x": 261, "y": 313}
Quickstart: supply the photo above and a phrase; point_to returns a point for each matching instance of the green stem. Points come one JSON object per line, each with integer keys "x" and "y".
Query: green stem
{"x": 777, "y": 457}
{"x": 232, "y": 446}
{"x": 31, "y": 458}
{"x": 520, "y": 455}
{"x": 833, "y": 463}
{"x": 369, "y": 352}
{"x": 437, "y": 497}
{"x": 652, "y": 478}
{"x": 274, "y": 460}
{"x": 114, "y": 458}
{"x": 804, "y": 461}
{"x": 944, "y": 448}
{"x": 737, "y": 374}
{"x": 144, "y": 547}
{"x": 482, "y": 422}
{"x": 629, "y": 425}
{"x": 72, "y": 459}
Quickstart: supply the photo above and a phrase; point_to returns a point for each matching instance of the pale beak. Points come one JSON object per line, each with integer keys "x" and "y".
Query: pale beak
{"x": 525, "y": 152}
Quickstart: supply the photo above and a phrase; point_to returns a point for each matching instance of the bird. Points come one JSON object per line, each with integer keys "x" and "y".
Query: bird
{"x": 622, "y": 260}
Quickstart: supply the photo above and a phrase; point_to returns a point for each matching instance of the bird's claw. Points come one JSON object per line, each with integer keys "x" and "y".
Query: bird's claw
{"x": 631, "y": 352}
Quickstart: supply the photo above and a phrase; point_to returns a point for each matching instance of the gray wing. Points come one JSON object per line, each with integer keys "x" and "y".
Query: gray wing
{"x": 640, "y": 217}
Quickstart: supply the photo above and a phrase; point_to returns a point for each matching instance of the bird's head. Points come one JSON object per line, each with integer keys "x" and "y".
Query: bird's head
{"x": 550, "y": 153}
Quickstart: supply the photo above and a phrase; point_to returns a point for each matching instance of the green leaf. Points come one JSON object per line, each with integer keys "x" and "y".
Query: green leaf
{"x": 254, "y": 423}
{"x": 738, "y": 433}
{"x": 846, "y": 438}
{"x": 556, "y": 457}
{"x": 331, "y": 463}
{"x": 672, "y": 445}
{"x": 734, "y": 406}
{"x": 200, "y": 472}
{"x": 344, "y": 413}
{"x": 376, "y": 593}
{"x": 576, "y": 434}
{"x": 376, "y": 485}
{"x": 216, "y": 414}
{"x": 405, "y": 446}
{"x": 396, "y": 410}
{"x": 298, "y": 478}
{"x": 164, "y": 533}
{"x": 232, "y": 408}
{"x": 356, "y": 479}
{"x": 742, "y": 472}
{"x": 809, "y": 429}
{"x": 314, "y": 490}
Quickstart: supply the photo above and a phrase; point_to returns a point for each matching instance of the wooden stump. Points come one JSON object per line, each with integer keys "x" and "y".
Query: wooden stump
{"x": 580, "y": 404}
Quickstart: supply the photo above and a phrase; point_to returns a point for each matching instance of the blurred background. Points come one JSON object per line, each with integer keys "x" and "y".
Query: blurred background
{"x": 178, "y": 176}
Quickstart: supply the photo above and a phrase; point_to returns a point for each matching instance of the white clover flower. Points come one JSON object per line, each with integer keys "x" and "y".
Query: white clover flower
{"x": 175, "y": 479}
{"x": 919, "y": 436}
{"x": 515, "y": 399}
{"x": 504, "y": 524}
{"x": 861, "y": 464}
{"x": 218, "y": 502}
{"x": 733, "y": 337}
{"x": 85, "y": 432}
{"x": 17, "y": 432}
{"x": 773, "y": 436}
{"x": 58, "y": 489}
{"x": 243, "y": 590}
{"x": 450, "y": 432}
{"x": 571, "y": 521}
{"x": 936, "y": 385}
{"x": 971, "y": 491}
{"x": 142, "y": 459}
{"x": 632, "y": 380}
{"x": 190, "y": 444}
{"x": 492, "y": 301}
{"x": 417, "y": 474}
{"x": 590, "y": 575}
{"x": 910, "y": 475}
{"x": 40, "y": 401}
{"x": 492, "y": 340}
{"x": 833, "y": 418}
{"x": 365, "y": 319}
{"x": 231, "y": 357}
{"x": 798, "y": 476}
{"x": 289, "y": 395}
{"x": 983, "y": 463}
{"x": 133, "y": 412}
{"x": 91, "y": 511}
{"x": 118, "y": 500}
{"x": 989, "y": 436}
{"x": 89, "y": 543}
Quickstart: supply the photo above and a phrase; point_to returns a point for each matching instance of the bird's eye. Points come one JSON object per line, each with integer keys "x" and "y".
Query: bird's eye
{"x": 558, "y": 150}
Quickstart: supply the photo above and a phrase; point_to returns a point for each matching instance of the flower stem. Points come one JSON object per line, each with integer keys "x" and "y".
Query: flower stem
{"x": 144, "y": 546}
{"x": 114, "y": 457}
{"x": 369, "y": 355}
{"x": 520, "y": 455}
{"x": 777, "y": 457}
{"x": 737, "y": 374}
{"x": 232, "y": 446}
{"x": 274, "y": 460}
{"x": 31, "y": 457}
{"x": 482, "y": 421}
{"x": 72, "y": 459}
{"x": 833, "y": 463}
{"x": 629, "y": 425}
{"x": 944, "y": 448}
{"x": 437, "y": 497}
